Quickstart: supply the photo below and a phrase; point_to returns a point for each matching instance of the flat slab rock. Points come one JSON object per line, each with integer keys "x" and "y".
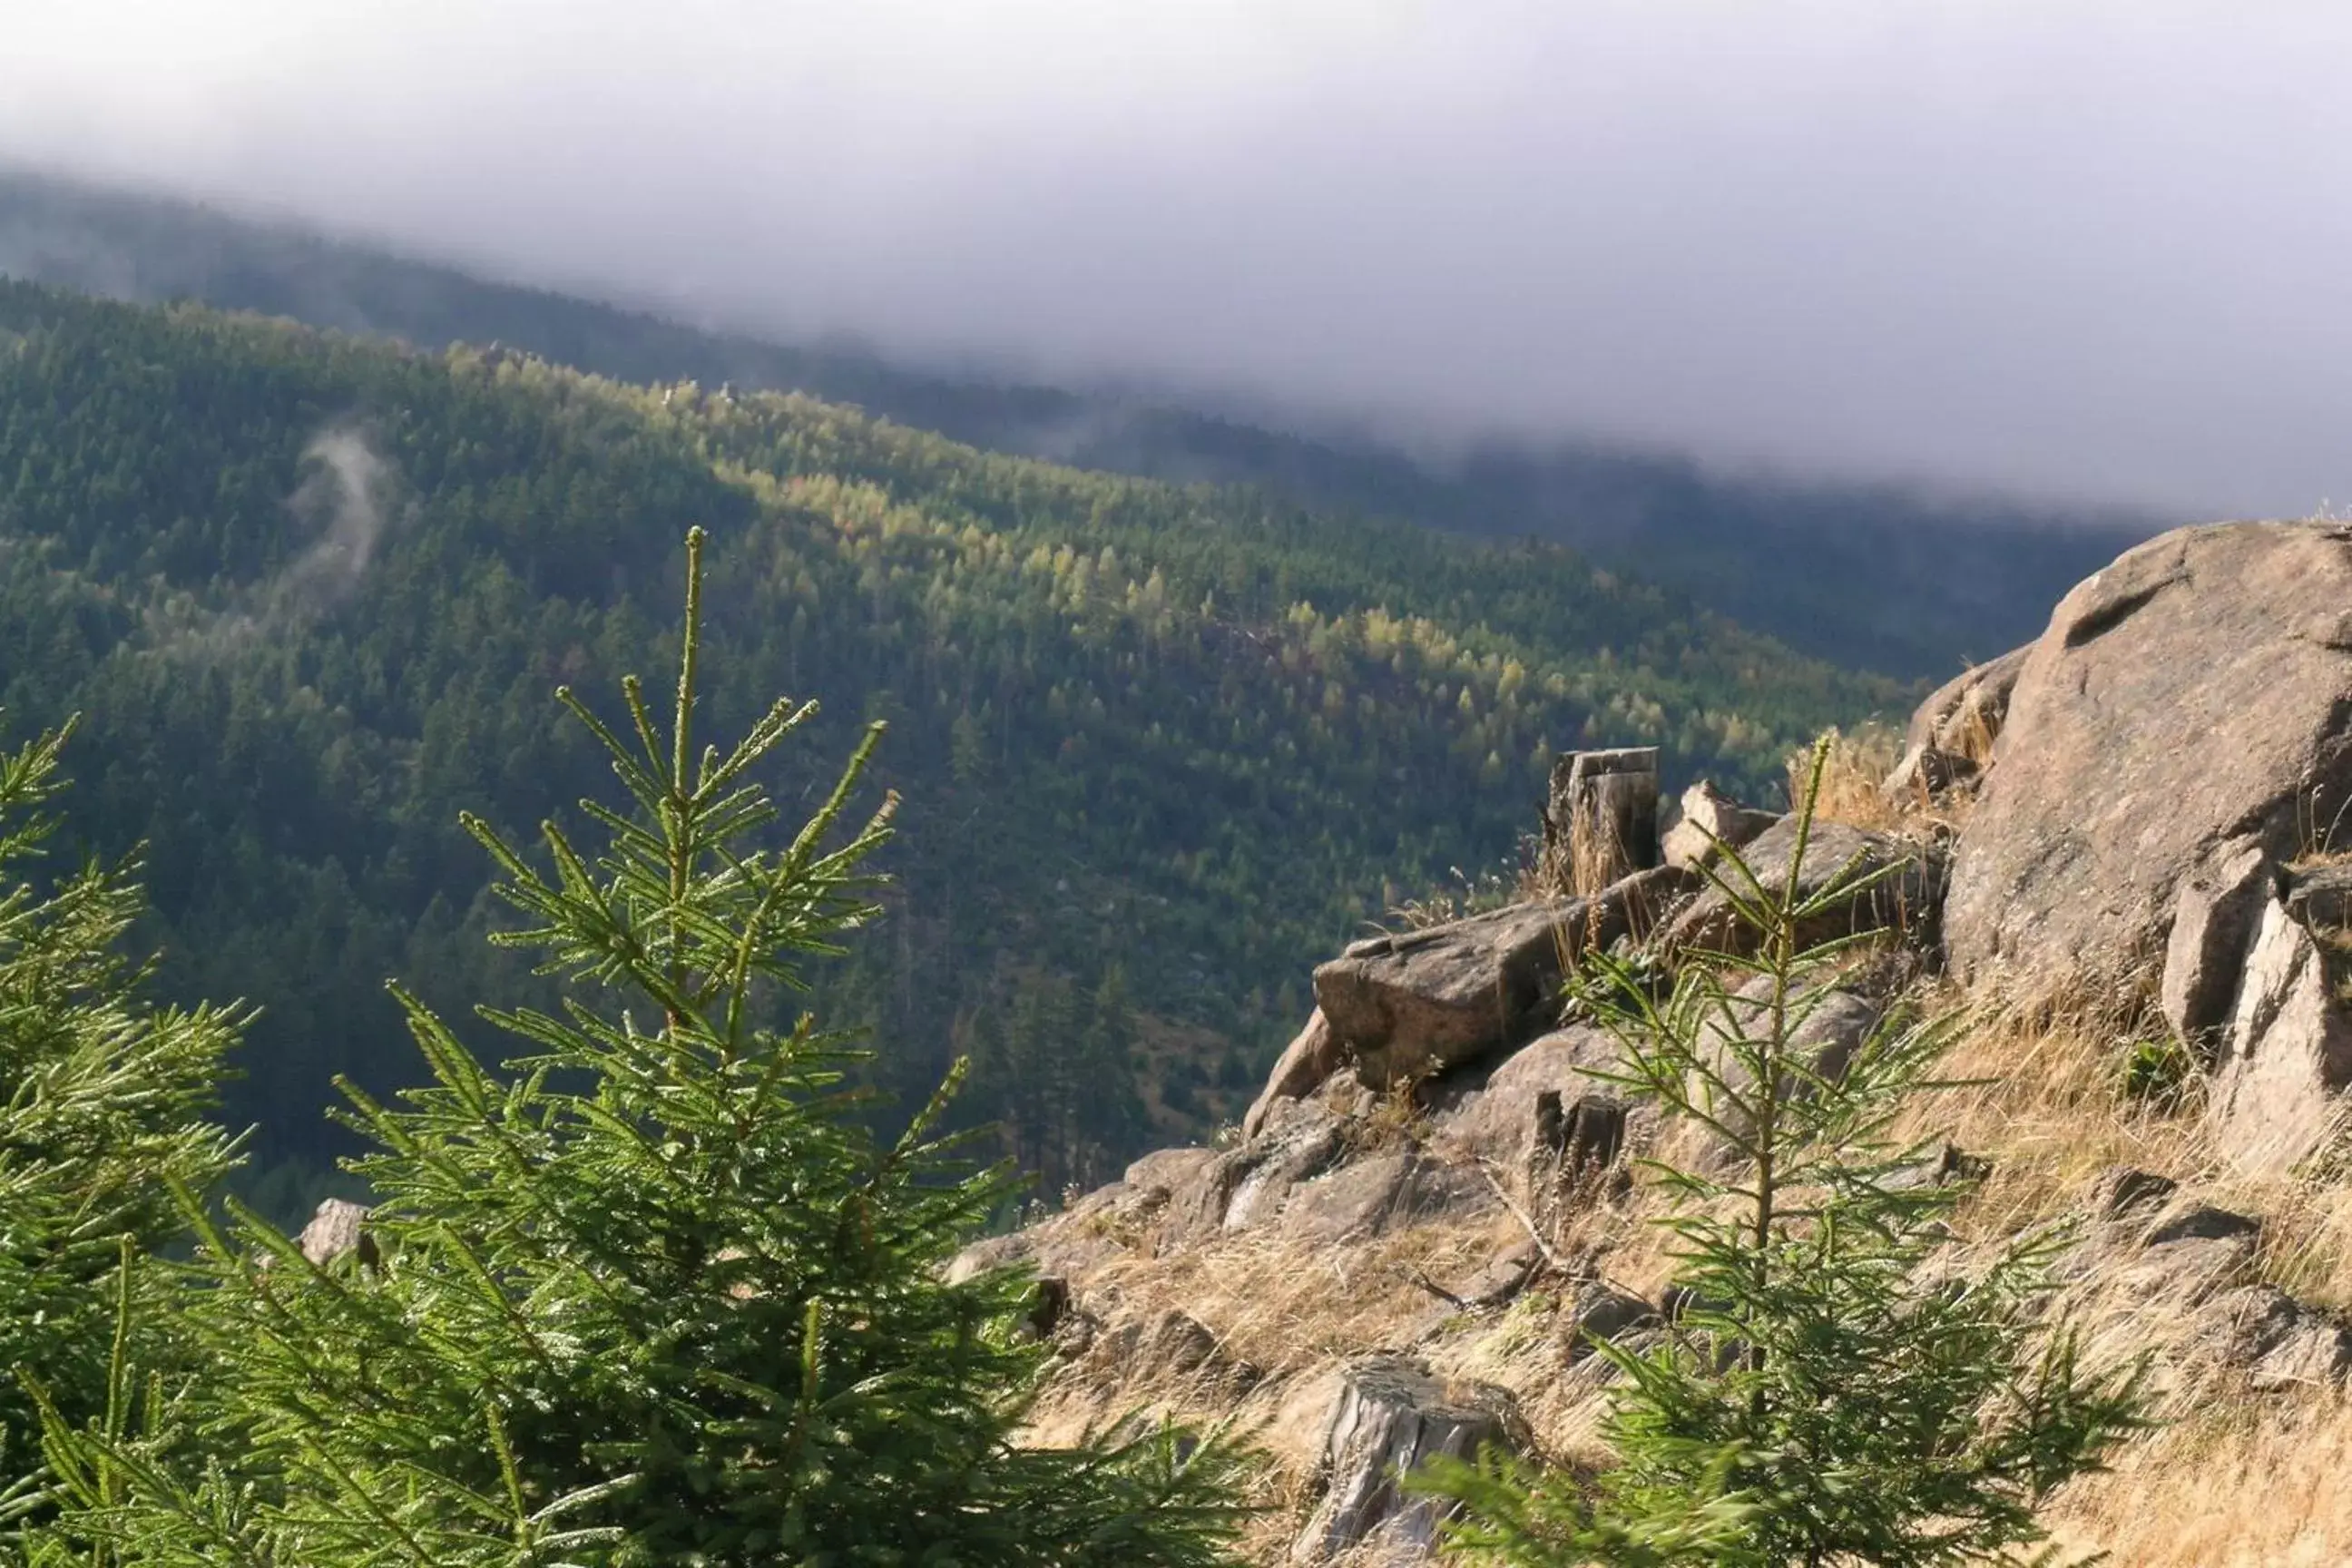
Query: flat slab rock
{"x": 1412, "y": 1004}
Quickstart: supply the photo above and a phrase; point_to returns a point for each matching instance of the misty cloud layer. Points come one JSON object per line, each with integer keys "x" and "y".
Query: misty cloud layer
{"x": 346, "y": 497}
{"x": 2092, "y": 246}
{"x": 343, "y": 506}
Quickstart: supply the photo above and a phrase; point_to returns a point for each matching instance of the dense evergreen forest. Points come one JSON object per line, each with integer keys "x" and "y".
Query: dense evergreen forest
{"x": 1885, "y": 578}
{"x": 1158, "y": 748}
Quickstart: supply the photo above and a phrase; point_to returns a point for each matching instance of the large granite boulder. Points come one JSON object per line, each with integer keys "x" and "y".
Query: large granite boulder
{"x": 2189, "y": 705}
{"x": 1411, "y": 1004}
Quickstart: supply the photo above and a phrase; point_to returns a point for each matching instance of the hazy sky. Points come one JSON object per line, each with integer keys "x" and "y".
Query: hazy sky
{"x": 2069, "y": 245}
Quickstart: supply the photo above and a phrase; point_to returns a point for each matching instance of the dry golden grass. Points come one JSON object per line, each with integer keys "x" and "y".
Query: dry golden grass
{"x": 1291, "y": 1310}
{"x": 1973, "y": 731}
{"x": 1285, "y": 1306}
{"x": 2306, "y": 1247}
{"x": 2325, "y": 845}
{"x": 2238, "y": 1484}
{"x": 2039, "y": 1090}
{"x": 1857, "y": 765}
{"x": 1578, "y": 864}
{"x": 2041, "y": 1094}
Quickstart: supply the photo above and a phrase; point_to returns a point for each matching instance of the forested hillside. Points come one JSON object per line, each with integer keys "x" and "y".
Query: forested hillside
{"x": 1870, "y": 576}
{"x": 1158, "y": 747}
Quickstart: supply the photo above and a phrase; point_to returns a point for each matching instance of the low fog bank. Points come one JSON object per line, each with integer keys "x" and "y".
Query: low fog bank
{"x": 2082, "y": 249}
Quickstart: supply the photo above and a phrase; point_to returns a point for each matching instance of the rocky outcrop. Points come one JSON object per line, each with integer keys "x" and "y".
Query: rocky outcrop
{"x": 1409, "y": 1005}
{"x": 1247, "y": 1187}
{"x": 1904, "y": 899}
{"x": 1952, "y": 733}
{"x": 338, "y": 1228}
{"x": 2214, "y": 915}
{"x": 2175, "y": 741}
{"x": 1313, "y": 1056}
{"x": 2184, "y": 1269}
{"x": 1132, "y": 1213}
{"x": 2286, "y": 1058}
{"x": 1497, "y": 1114}
{"x": 1711, "y": 822}
{"x": 1387, "y": 1191}
{"x": 1927, "y": 775}
{"x": 2190, "y": 703}
{"x": 2137, "y": 793}
{"x": 2320, "y": 895}
{"x": 1393, "y": 1416}
{"x": 1964, "y": 716}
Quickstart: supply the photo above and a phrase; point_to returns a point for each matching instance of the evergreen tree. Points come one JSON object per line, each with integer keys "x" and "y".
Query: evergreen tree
{"x": 102, "y": 1098}
{"x": 1822, "y": 1397}
{"x": 652, "y": 1293}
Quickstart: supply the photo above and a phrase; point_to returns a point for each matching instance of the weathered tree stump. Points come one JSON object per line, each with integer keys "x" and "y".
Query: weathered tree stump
{"x": 1049, "y": 1303}
{"x": 1392, "y": 1418}
{"x": 1602, "y": 821}
{"x": 1579, "y": 1141}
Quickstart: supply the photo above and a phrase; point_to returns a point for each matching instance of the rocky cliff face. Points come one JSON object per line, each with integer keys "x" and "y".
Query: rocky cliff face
{"x": 2131, "y": 840}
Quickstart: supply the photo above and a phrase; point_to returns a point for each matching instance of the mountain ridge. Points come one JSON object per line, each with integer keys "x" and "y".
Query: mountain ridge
{"x": 1875, "y": 575}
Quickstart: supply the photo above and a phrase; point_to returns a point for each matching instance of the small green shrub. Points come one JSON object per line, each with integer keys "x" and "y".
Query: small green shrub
{"x": 1835, "y": 1390}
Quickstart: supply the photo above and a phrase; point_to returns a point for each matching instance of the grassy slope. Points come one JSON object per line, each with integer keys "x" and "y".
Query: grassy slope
{"x": 2228, "y": 1477}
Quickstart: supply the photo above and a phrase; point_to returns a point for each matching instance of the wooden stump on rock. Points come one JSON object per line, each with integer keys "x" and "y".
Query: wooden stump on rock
{"x": 1581, "y": 1140}
{"x": 1603, "y": 820}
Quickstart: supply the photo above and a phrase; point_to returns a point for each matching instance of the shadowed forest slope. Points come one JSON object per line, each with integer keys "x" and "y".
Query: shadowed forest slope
{"x": 1158, "y": 746}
